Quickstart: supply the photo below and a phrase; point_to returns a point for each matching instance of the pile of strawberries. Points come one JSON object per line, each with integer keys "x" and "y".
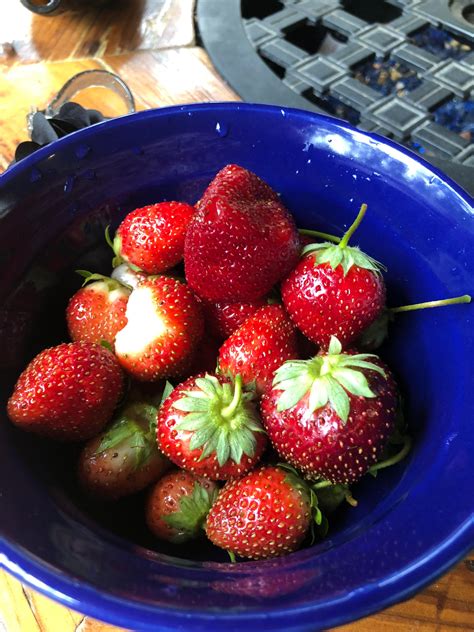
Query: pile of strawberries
{"x": 248, "y": 366}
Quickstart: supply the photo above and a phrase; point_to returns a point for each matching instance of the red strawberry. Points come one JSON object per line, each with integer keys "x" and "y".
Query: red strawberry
{"x": 331, "y": 417}
{"x": 178, "y": 506}
{"x": 224, "y": 318}
{"x": 152, "y": 238}
{"x": 205, "y": 358}
{"x": 125, "y": 458}
{"x": 242, "y": 239}
{"x": 265, "y": 514}
{"x": 259, "y": 347}
{"x": 67, "y": 392}
{"x": 334, "y": 290}
{"x": 97, "y": 312}
{"x": 210, "y": 426}
{"x": 164, "y": 327}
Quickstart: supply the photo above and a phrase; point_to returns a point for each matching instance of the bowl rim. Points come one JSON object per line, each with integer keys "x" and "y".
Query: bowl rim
{"x": 82, "y": 596}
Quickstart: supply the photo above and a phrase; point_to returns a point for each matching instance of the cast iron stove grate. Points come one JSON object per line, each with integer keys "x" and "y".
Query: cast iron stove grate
{"x": 401, "y": 68}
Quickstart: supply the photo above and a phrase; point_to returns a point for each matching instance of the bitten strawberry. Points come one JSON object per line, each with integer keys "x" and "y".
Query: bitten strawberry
{"x": 210, "y": 426}
{"x": 242, "y": 240}
{"x": 222, "y": 319}
{"x": 259, "y": 347}
{"x": 264, "y": 514}
{"x": 331, "y": 417}
{"x": 152, "y": 238}
{"x": 67, "y": 392}
{"x": 96, "y": 312}
{"x": 178, "y": 505}
{"x": 334, "y": 290}
{"x": 164, "y": 327}
{"x": 124, "y": 459}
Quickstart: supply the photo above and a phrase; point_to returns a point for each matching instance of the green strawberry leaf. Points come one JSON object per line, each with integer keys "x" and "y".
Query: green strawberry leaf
{"x": 326, "y": 379}
{"x": 193, "y": 510}
{"x": 338, "y": 255}
{"x": 221, "y": 418}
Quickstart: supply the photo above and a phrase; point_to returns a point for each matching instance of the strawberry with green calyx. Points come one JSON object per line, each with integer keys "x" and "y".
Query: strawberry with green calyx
{"x": 265, "y": 514}
{"x": 334, "y": 290}
{"x": 209, "y": 425}
{"x": 331, "y": 417}
{"x": 151, "y": 239}
{"x": 96, "y": 312}
{"x": 374, "y": 336}
{"x": 124, "y": 459}
{"x": 178, "y": 505}
{"x": 256, "y": 350}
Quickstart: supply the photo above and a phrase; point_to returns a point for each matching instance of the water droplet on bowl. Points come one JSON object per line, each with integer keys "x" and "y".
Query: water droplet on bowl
{"x": 283, "y": 113}
{"x": 432, "y": 179}
{"x": 81, "y": 151}
{"x": 307, "y": 146}
{"x": 35, "y": 175}
{"x": 222, "y": 129}
{"x": 69, "y": 184}
{"x": 354, "y": 176}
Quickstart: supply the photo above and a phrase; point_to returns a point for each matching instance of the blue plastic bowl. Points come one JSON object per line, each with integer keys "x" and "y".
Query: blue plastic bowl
{"x": 412, "y": 523}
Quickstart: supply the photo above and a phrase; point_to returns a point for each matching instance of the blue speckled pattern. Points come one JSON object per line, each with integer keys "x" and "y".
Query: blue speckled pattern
{"x": 412, "y": 523}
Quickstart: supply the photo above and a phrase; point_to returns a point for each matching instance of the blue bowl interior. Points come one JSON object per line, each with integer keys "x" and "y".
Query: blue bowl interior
{"x": 411, "y": 523}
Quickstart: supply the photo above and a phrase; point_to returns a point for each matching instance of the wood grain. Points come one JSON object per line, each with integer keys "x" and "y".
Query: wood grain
{"x": 150, "y": 75}
{"x": 116, "y": 27}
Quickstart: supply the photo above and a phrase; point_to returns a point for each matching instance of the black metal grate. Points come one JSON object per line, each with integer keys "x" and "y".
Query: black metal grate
{"x": 403, "y": 68}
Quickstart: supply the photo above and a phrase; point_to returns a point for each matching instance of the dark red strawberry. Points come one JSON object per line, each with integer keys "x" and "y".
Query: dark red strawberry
{"x": 178, "y": 505}
{"x": 264, "y": 514}
{"x": 164, "y": 328}
{"x": 67, "y": 392}
{"x": 331, "y": 417}
{"x": 222, "y": 319}
{"x": 152, "y": 238}
{"x": 96, "y": 312}
{"x": 210, "y": 426}
{"x": 334, "y": 290}
{"x": 242, "y": 240}
{"x": 125, "y": 458}
{"x": 259, "y": 347}
{"x": 205, "y": 358}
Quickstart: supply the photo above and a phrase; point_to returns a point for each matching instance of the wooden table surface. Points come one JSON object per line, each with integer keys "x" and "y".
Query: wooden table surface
{"x": 151, "y": 45}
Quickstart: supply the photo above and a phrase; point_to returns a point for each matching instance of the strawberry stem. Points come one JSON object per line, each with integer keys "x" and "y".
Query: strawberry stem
{"x": 349, "y": 498}
{"x": 395, "y": 458}
{"x": 447, "y": 301}
{"x": 231, "y": 554}
{"x": 353, "y": 227}
{"x": 229, "y": 410}
{"x": 318, "y": 234}
{"x": 322, "y": 485}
